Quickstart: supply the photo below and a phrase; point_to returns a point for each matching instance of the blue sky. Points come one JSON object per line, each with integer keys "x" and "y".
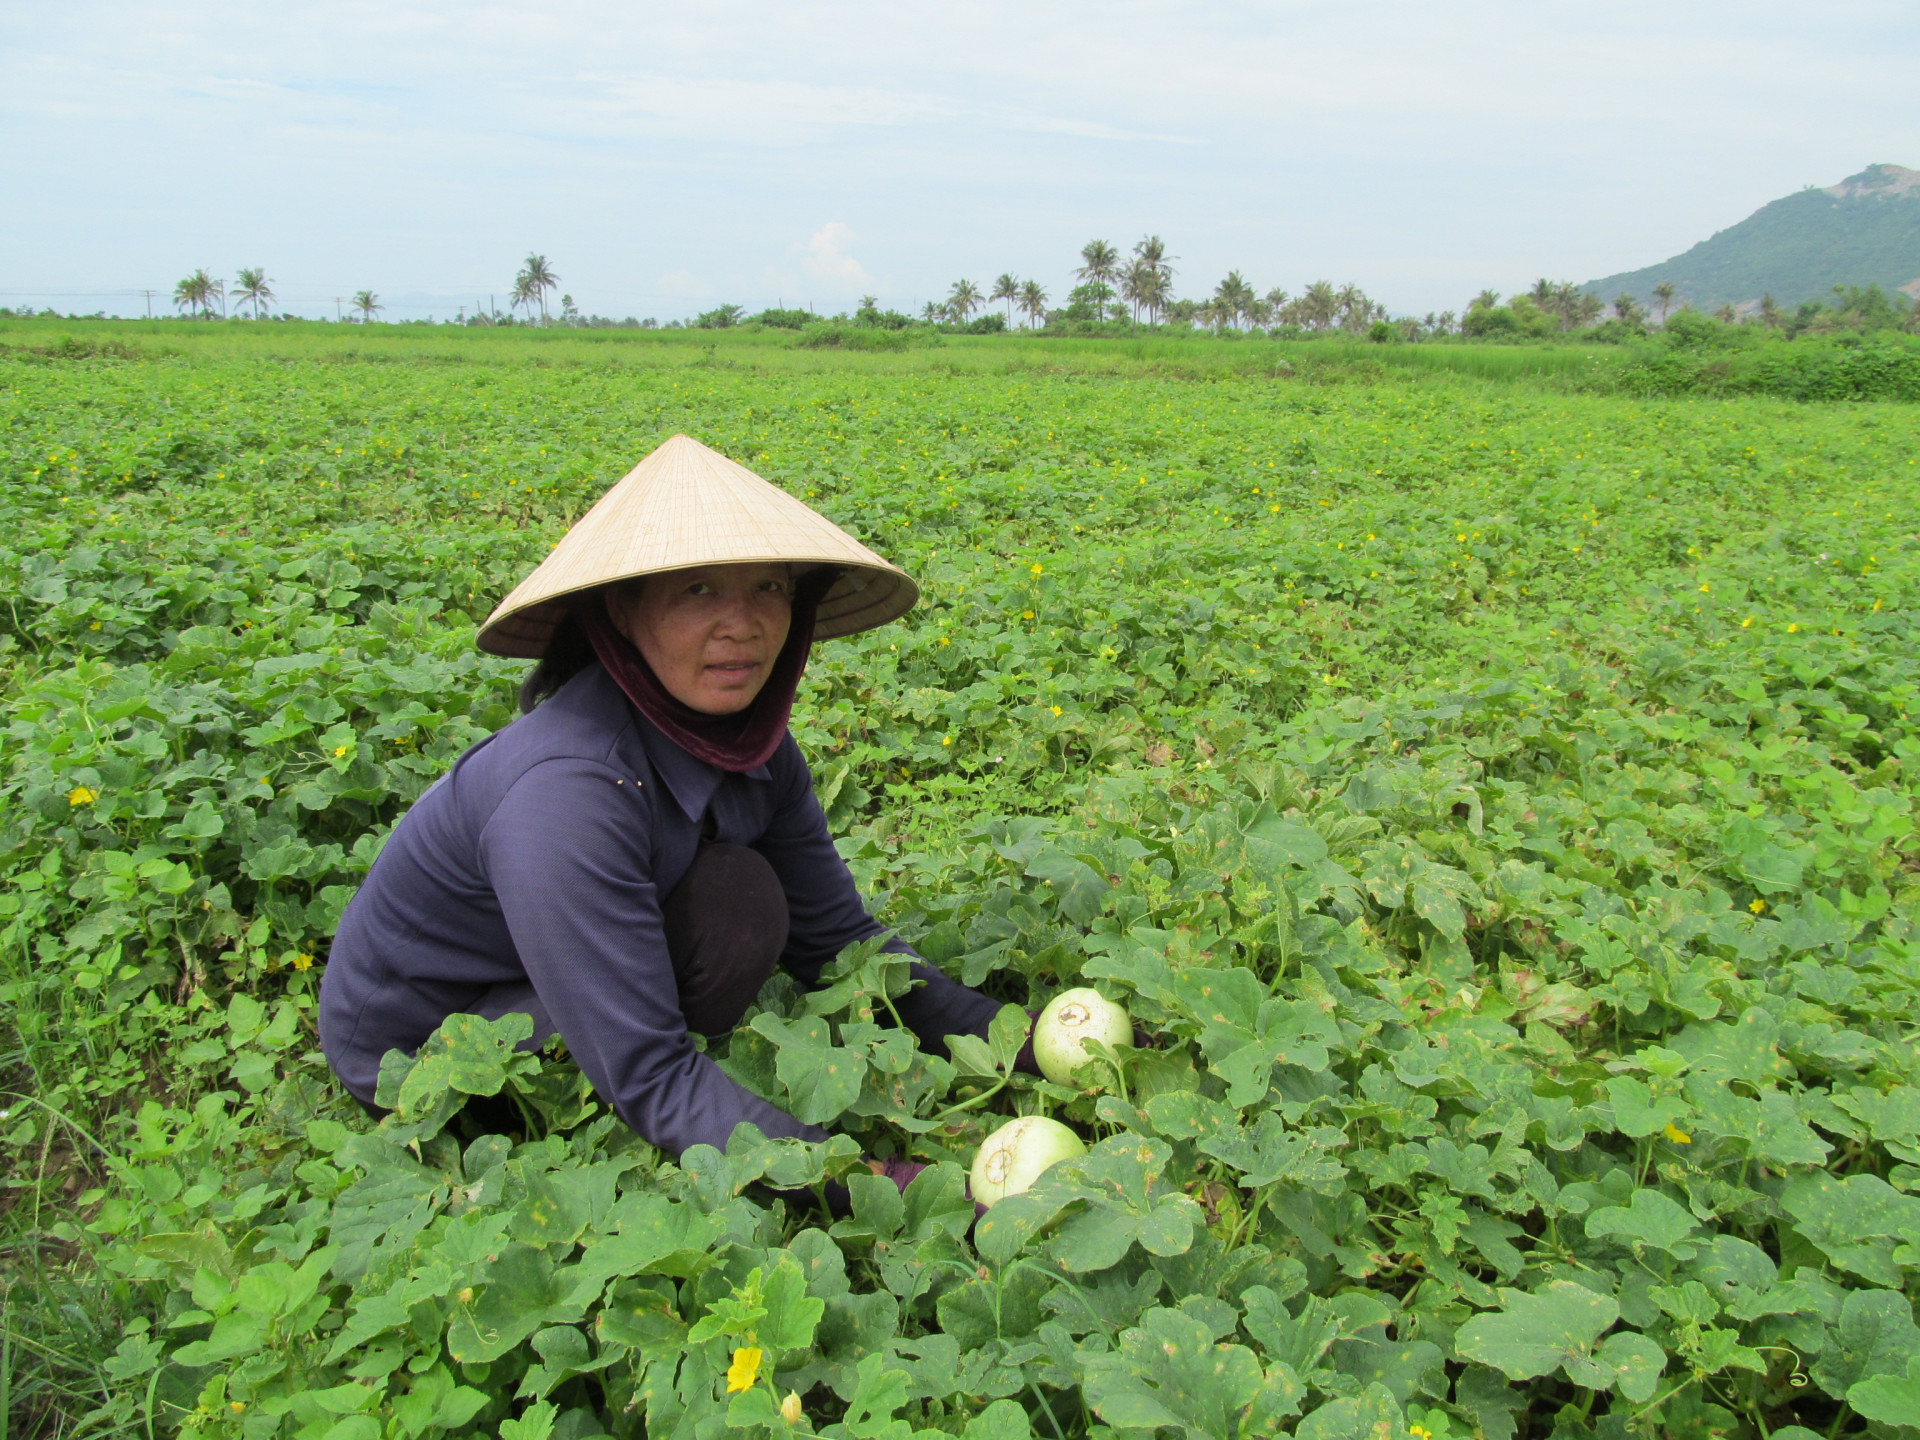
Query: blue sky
{"x": 666, "y": 159}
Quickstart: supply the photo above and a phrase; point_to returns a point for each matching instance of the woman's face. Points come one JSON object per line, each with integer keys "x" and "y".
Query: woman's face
{"x": 712, "y": 633}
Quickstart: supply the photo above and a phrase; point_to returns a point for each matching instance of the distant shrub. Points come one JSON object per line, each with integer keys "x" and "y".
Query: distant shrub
{"x": 1885, "y": 370}
{"x": 1692, "y": 330}
{"x": 784, "y": 319}
{"x": 992, "y": 324}
{"x": 1521, "y": 319}
{"x": 871, "y": 316}
{"x": 1062, "y": 323}
{"x": 823, "y": 336}
{"x": 1696, "y": 362}
{"x": 71, "y": 348}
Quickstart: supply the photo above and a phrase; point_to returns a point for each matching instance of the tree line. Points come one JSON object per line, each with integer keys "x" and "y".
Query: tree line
{"x": 1550, "y": 309}
{"x": 1115, "y": 290}
{"x": 1123, "y": 289}
{"x": 203, "y": 295}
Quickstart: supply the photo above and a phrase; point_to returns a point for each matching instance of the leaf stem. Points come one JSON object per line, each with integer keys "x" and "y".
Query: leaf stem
{"x": 980, "y": 1099}
{"x": 1052, "y": 1419}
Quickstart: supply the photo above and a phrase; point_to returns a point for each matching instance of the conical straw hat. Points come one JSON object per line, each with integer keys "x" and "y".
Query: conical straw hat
{"x": 686, "y": 505}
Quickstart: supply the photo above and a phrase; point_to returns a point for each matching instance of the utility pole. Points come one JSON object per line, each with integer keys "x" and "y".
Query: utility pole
{"x": 149, "y": 295}
{"x": 338, "y": 317}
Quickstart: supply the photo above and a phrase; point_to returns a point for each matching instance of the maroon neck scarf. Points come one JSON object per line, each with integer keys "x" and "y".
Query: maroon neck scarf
{"x": 737, "y": 742}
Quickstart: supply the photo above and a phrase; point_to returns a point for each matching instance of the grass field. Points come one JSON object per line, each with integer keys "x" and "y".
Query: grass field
{"x": 1498, "y": 800}
{"x": 1191, "y": 356}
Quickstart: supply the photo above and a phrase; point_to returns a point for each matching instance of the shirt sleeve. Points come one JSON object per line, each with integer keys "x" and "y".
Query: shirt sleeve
{"x": 826, "y": 914}
{"x": 566, "y": 853}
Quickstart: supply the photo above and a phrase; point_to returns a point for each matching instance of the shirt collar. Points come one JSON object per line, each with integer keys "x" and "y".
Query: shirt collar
{"x": 691, "y": 781}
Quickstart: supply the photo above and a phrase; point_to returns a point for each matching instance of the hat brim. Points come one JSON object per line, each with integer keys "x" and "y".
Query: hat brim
{"x": 863, "y": 598}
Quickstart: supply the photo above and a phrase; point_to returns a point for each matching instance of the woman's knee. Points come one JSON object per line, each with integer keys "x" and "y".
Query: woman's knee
{"x": 726, "y": 926}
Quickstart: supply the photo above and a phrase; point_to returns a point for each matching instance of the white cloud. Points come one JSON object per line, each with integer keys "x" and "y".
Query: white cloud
{"x": 827, "y": 260}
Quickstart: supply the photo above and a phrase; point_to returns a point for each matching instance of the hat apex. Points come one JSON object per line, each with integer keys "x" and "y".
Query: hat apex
{"x": 685, "y": 505}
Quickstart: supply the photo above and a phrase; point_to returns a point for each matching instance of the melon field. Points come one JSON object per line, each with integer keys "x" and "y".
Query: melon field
{"x": 1497, "y": 803}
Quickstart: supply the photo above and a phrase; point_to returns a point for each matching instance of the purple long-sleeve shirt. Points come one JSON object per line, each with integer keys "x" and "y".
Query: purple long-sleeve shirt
{"x": 541, "y": 860}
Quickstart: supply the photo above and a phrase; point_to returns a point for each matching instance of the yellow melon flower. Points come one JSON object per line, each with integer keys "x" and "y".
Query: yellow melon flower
{"x": 744, "y": 1370}
{"x": 1674, "y": 1133}
{"x": 81, "y": 795}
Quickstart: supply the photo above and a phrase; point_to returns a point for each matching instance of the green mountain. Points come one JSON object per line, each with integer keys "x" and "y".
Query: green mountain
{"x": 1865, "y": 229}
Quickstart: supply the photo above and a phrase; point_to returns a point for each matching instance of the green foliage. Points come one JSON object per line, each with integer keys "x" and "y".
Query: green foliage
{"x": 1518, "y": 319}
{"x": 1696, "y": 355}
{"x": 870, "y": 338}
{"x": 1497, "y": 806}
{"x": 871, "y": 315}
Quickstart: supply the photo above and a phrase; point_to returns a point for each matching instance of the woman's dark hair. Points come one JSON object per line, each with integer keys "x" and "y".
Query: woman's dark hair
{"x": 568, "y": 653}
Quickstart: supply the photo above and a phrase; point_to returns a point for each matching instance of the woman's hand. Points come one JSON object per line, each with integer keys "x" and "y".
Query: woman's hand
{"x": 901, "y": 1172}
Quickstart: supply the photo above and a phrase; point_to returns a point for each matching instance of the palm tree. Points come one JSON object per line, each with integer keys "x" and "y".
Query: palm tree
{"x": 252, "y": 289}
{"x": 1627, "y": 309}
{"x": 1137, "y": 281}
{"x": 1151, "y": 252}
{"x": 195, "y": 293}
{"x": 1100, "y": 264}
{"x": 1233, "y": 299}
{"x": 932, "y": 312}
{"x": 1158, "y": 294}
{"x": 368, "y": 304}
{"x": 1033, "y": 302}
{"x": 1319, "y": 305}
{"x": 539, "y": 279}
{"x": 1664, "y": 292}
{"x": 523, "y": 293}
{"x": 1485, "y": 300}
{"x": 1542, "y": 293}
{"x": 1355, "y": 309}
{"x": 1562, "y": 301}
{"x": 1008, "y": 289}
{"x": 964, "y": 300}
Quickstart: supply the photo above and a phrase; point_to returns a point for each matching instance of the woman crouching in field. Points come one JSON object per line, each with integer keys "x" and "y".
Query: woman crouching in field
{"x": 628, "y": 861}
